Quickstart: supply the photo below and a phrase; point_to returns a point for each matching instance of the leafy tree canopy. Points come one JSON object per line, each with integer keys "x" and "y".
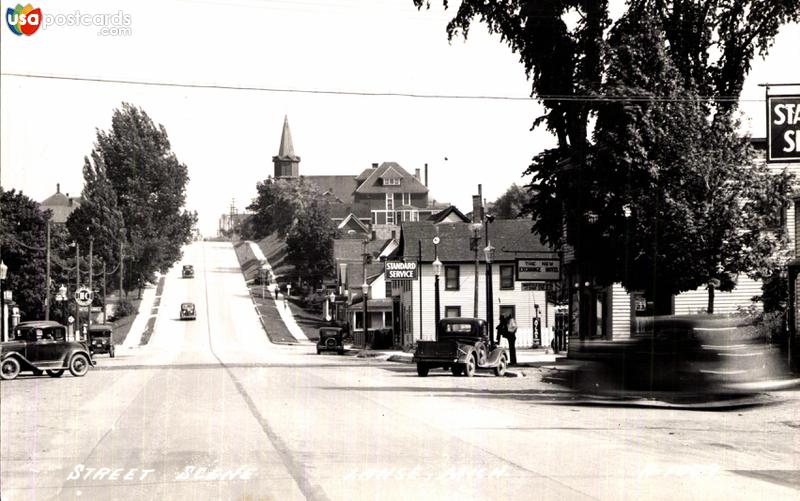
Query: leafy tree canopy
{"x": 663, "y": 187}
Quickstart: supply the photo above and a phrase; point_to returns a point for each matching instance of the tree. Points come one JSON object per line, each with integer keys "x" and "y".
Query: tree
{"x": 512, "y": 204}
{"x": 278, "y": 205}
{"x": 136, "y": 159}
{"x": 22, "y": 249}
{"x": 98, "y": 217}
{"x": 309, "y": 243}
{"x": 670, "y": 72}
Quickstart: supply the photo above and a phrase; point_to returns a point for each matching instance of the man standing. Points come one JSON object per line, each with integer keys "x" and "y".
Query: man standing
{"x": 511, "y": 335}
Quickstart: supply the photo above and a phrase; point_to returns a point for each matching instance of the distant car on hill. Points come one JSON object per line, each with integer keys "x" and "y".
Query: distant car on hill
{"x": 188, "y": 311}
{"x": 188, "y": 271}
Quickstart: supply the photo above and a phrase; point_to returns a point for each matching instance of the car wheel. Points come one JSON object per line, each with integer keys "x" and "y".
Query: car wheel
{"x": 111, "y": 352}
{"x": 457, "y": 369}
{"x": 500, "y": 370}
{"x": 422, "y": 370}
{"x": 9, "y": 369}
{"x": 469, "y": 366}
{"x": 55, "y": 373}
{"x": 79, "y": 365}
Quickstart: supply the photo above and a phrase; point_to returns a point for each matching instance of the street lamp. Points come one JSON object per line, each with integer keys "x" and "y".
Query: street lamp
{"x": 3, "y": 273}
{"x": 331, "y": 308}
{"x": 437, "y": 271}
{"x": 365, "y": 291}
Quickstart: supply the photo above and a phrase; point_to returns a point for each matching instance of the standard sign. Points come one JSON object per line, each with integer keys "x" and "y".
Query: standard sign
{"x": 538, "y": 269}
{"x": 399, "y": 270}
{"x": 783, "y": 128}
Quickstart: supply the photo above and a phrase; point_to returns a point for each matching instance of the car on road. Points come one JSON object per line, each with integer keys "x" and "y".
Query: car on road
{"x": 464, "y": 346}
{"x": 701, "y": 353}
{"x": 42, "y": 346}
{"x": 331, "y": 339}
{"x": 188, "y": 271}
{"x": 101, "y": 339}
{"x": 188, "y": 311}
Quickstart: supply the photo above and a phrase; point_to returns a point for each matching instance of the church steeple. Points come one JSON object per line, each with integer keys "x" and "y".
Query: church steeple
{"x": 287, "y": 164}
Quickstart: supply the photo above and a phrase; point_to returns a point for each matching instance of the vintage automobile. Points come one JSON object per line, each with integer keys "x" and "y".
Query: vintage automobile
{"x": 331, "y": 339}
{"x": 462, "y": 345}
{"x": 101, "y": 339}
{"x": 188, "y": 311}
{"x": 188, "y": 271}
{"x": 41, "y": 346}
{"x": 684, "y": 353}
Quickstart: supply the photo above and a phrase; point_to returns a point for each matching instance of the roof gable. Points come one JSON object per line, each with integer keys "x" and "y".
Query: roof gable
{"x": 408, "y": 183}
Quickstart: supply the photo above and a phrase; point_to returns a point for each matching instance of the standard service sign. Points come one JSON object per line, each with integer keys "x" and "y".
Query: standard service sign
{"x": 399, "y": 270}
{"x": 783, "y": 128}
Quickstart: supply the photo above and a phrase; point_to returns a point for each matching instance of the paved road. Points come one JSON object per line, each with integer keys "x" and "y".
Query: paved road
{"x": 211, "y": 410}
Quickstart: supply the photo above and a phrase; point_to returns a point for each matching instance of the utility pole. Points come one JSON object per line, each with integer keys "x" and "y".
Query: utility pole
{"x": 419, "y": 267}
{"x": 47, "y": 276}
{"x": 77, "y": 286}
{"x": 91, "y": 291}
{"x": 476, "y": 238}
{"x": 121, "y": 270}
{"x": 104, "y": 291}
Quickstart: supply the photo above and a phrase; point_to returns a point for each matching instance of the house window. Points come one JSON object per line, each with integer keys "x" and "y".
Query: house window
{"x": 452, "y": 311}
{"x": 393, "y": 181}
{"x": 507, "y": 277}
{"x": 406, "y": 201}
{"x": 388, "y": 288}
{"x": 452, "y": 278}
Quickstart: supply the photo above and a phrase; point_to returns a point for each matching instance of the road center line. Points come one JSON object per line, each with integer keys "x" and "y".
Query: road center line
{"x": 296, "y": 469}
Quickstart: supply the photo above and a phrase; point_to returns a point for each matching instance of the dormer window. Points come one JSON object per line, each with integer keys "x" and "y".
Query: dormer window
{"x": 393, "y": 181}
{"x": 391, "y": 177}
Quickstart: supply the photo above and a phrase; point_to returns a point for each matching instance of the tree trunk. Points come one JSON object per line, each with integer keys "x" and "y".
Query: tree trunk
{"x": 710, "y": 308}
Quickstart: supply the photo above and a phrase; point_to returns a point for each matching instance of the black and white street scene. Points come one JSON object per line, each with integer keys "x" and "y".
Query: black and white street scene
{"x": 268, "y": 250}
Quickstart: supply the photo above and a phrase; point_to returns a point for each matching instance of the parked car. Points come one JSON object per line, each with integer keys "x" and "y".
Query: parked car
{"x": 462, "y": 345}
{"x": 188, "y": 311}
{"x": 188, "y": 271}
{"x": 101, "y": 339}
{"x": 331, "y": 339}
{"x": 42, "y": 346}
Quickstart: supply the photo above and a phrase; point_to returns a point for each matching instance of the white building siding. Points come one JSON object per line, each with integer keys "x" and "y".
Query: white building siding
{"x": 523, "y": 301}
{"x": 696, "y": 301}
{"x": 620, "y": 312}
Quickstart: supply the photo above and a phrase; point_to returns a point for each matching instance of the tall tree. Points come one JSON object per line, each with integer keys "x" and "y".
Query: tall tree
{"x": 150, "y": 186}
{"x": 98, "y": 217}
{"x": 688, "y": 83}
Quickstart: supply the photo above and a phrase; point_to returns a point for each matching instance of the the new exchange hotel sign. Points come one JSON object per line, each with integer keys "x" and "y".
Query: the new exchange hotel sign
{"x": 783, "y": 128}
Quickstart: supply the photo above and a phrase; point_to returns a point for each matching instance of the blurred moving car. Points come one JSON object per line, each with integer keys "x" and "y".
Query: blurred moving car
{"x": 188, "y": 311}
{"x": 462, "y": 345}
{"x": 101, "y": 339}
{"x": 331, "y": 339}
{"x": 690, "y": 353}
{"x": 41, "y": 346}
{"x": 188, "y": 271}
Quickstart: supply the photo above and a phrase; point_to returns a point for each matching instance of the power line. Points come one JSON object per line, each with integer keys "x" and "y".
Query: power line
{"x": 414, "y": 95}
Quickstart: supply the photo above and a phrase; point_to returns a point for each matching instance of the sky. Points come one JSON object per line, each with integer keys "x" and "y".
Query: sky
{"x": 227, "y": 137}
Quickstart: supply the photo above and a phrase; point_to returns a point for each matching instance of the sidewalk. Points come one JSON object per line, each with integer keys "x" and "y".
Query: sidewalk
{"x": 526, "y": 358}
{"x": 146, "y": 316}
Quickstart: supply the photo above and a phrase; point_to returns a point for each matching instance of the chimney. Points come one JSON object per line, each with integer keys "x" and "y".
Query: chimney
{"x": 374, "y": 165}
{"x": 416, "y": 174}
{"x": 476, "y": 208}
{"x": 426, "y": 175}
{"x": 58, "y": 187}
